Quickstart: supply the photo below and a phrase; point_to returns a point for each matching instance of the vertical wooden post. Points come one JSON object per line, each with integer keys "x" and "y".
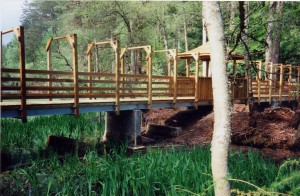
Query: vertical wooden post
{"x": 270, "y": 82}
{"x": 234, "y": 77}
{"x": 281, "y": 83}
{"x": 259, "y": 70}
{"x": 122, "y": 56}
{"x": 90, "y": 68}
{"x": 290, "y": 81}
{"x": 73, "y": 41}
{"x": 169, "y": 66}
{"x": 258, "y": 80}
{"x": 149, "y": 54}
{"x": 197, "y": 81}
{"x": 49, "y": 66}
{"x": 20, "y": 36}
{"x": 117, "y": 77}
{"x": 188, "y": 64}
{"x": 298, "y": 85}
{"x": 266, "y": 71}
{"x": 175, "y": 78}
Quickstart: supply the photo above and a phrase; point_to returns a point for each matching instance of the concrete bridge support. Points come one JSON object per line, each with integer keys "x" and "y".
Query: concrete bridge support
{"x": 123, "y": 127}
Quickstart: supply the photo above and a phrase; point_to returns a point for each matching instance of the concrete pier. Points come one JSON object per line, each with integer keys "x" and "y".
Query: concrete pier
{"x": 123, "y": 127}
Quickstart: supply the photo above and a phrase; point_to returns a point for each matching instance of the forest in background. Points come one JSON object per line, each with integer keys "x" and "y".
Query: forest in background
{"x": 164, "y": 25}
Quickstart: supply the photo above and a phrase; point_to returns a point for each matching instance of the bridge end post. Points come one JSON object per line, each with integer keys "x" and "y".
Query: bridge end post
{"x": 73, "y": 42}
{"x": 20, "y": 35}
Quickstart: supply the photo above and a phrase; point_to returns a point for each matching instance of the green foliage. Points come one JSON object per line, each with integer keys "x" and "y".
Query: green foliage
{"x": 11, "y": 54}
{"x": 288, "y": 178}
{"x": 157, "y": 172}
{"x": 34, "y": 134}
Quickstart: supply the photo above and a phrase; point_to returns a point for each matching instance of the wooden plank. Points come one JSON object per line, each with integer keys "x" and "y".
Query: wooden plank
{"x": 108, "y": 75}
{"x": 47, "y": 96}
{"x": 96, "y": 89}
{"x": 7, "y": 31}
{"x": 97, "y": 95}
{"x": 102, "y": 43}
{"x": 137, "y": 89}
{"x": 97, "y": 81}
{"x": 134, "y": 94}
{"x": 10, "y": 96}
{"x": 90, "y": 47}
{"x": 134, "y": 76}
{"x": 9, "y": 70}
{"x": 8, "y": 79}
{"x": 47, "y": 80}
{"x": 163, "y": 95}
{"x": 48, "y": 45}
{"x": 45, "y": 72}
{"x": 140, "y": 82}
{"x": 49, "y": 89}
{"x": 61, "y": 37}
{"x": 140, "y": 47}
{"x": 163, "y": 77}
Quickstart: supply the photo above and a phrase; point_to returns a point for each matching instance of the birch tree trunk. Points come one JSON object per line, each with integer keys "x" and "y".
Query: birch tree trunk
{"x": 204, "y": 38}
{"x": 221, "y": 135}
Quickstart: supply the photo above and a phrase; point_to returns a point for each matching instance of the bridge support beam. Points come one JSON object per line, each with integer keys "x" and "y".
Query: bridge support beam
{"x": 123, "y": 127}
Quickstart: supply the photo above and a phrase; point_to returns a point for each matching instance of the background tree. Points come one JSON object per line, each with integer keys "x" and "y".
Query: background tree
{"x": 274, "y": 31}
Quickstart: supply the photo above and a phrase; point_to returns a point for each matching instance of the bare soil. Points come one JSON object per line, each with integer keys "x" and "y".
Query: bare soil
{"x": 273, "y": 135}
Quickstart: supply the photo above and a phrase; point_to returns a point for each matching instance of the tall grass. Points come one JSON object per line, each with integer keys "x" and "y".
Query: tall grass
{"x": 154, "y": 173}
{"x": 34, "y": 133}
{"x": 176, "y": 172}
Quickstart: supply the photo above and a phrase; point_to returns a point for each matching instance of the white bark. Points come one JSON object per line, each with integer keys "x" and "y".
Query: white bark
{"x": 221, "y": 135}
{"x": 204, "y": 38}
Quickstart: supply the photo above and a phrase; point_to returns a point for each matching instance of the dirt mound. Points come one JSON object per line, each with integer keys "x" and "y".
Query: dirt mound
{"x": 273, "y": 135}
{"x": 272, "y": 131}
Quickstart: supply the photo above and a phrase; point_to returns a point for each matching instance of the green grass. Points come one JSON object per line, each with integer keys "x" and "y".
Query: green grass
{"x": 175, "y": 172}
{"x": 33, "y": 134}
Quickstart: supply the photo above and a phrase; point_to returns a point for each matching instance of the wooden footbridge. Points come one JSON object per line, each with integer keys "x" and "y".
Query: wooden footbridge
{"x": 28, "y": 92}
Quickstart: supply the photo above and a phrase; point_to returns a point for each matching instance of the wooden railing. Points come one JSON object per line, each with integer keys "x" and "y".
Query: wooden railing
{"x": 103, "y": 86}
{"x": 239, "y": 88}
{"x": 269, "y": 90}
